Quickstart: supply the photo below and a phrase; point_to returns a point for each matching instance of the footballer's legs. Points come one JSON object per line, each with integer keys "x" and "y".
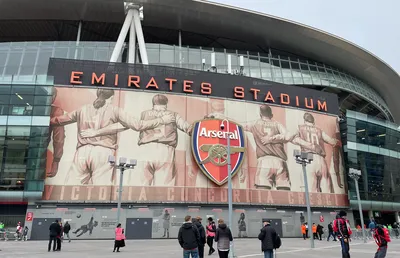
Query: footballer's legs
{"x": 326, "y": 184}
{"x": 282, "y": 178}
{"x": 263, "y": 174}
{"x": 102, "y": 172}
{"x": 164, "y": 166}
{"x": 79, "y": 173}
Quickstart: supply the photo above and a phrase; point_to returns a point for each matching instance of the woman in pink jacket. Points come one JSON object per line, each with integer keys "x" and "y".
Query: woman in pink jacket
{"x": 119, "y": 238}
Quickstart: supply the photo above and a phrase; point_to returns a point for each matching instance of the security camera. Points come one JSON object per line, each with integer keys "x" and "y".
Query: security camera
{"x": 222, "y": 126}
{"x": 111, "y": 160}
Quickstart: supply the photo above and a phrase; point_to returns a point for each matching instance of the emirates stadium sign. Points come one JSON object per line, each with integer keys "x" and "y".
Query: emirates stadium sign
{"x": 210, "y": 150}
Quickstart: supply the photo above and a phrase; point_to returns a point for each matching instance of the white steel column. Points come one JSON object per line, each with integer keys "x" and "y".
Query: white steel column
{"x": 122, "y": 35}
{"x": 132, "y": 43}
{"x": 140, "y": 37}
{"x": 78, "y": 39}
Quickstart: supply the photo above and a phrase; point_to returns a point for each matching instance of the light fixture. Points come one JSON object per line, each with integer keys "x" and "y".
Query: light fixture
{"x": 363, "y": 138}
{"x": 19, "y": 96}
{"x": 361, "y": 130}
{"x": 381, "y": 135}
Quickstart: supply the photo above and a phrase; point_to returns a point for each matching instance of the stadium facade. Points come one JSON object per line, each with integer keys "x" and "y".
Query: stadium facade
{"x": 153, "y": 80}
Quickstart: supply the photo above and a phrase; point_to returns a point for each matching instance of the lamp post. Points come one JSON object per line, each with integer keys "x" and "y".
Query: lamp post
{"x": 122, "y": 166}
{"x": 305, "y": 158}
{"x": 355, "y": 174}
{"x": 230, "y": 208}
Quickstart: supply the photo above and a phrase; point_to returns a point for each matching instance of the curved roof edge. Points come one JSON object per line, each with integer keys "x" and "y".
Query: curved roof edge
{"x": 220, "y": 20}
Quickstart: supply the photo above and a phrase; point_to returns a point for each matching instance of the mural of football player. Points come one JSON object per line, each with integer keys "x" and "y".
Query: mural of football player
{"x": 338, "y": 158}
{"x": 270, "y": 137}
{"x": 318, "y": 168}
{"x": 86, "y": 228}
{"x": 156, "y": 143}
{"x": 57, "y": 134}
{"x": 90, "y": 164}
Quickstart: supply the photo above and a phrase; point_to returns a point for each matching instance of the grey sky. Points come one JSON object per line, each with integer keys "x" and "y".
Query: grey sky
{"x": 371, "y": 24}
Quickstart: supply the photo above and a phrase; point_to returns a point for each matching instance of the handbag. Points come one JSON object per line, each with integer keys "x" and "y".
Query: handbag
{"x": 122, "y": 243}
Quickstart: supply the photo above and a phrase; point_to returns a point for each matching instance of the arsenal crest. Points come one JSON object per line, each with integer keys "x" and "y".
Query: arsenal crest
{"x": 210, "y": 150}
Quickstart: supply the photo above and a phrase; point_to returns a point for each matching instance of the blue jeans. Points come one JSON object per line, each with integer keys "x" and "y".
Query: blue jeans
{"x": 194, "y": 253}
{"x": 269, "y": 254}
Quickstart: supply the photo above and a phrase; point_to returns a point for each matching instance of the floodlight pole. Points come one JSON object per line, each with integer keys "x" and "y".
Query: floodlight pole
{"x": 304, "y": 159}
{"x": 355, "y": 174}
{"x": 230, "y": 205}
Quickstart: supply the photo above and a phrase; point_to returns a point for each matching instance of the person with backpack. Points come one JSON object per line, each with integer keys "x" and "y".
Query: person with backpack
{"x": 202, "y": 233}
{"x": 270, "y": 240}
{"x": 382, "y": 238}
{"x": 343, "y": 232}
{"x": 189, "y": 238}
{"x": 223, "y": 237}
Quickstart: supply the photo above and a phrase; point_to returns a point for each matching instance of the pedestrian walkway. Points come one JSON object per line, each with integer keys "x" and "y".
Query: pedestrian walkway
{"x": 245, "y": 248}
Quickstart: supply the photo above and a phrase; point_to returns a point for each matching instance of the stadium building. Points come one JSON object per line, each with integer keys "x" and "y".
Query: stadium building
{"x": 153, "y": 80}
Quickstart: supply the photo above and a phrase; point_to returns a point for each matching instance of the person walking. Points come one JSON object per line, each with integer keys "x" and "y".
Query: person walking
{"x": 304, "y": 231}
{"x": 382, "y": 238}
{"x": 342, "y": 229}
{"x": 223, "y": 237}
{"x": 25, "y": 234}
{"x": 55, "y": 230}
{"x": 320, "y": 232}
{"x": 67, "y": 228}
{"x": 267, "y": 237}
{"x": 314, "y": 231}
{"x": 211, "y": 229}
{"x": 119, "y": 238}
{"x": 202, "y": 233}
{"x": 331, "y": 233}
{"x": 189, "y": 238}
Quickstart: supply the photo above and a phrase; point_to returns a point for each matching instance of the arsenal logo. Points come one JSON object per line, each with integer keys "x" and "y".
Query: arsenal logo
{"x": 210, "y": 150}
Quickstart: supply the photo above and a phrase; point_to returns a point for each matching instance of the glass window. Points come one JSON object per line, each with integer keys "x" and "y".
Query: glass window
{"x": 42, "y": 100}
{"x": 18, "y": 131}
{"x": 44, "y": 56}
{"x": 153, "y": 55}
{"x": 22, "y": 90}
{"x": 166, "y": 55}
{"x": 39, "y": 131}
{"x": 41, "y": 110}
{"x": 20, "y": 99}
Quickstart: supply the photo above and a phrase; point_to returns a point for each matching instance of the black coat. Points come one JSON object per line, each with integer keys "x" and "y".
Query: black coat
{"x": 188, "y": 236}
{"x": 330, "y": 228}
{"x": 67, "y": 228}
{"x": 267, "y": 237}
{"x": 202, "y": 232}
{"x": 55, "y": 229}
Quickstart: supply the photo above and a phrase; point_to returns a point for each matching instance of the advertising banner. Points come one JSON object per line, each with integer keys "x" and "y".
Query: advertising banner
{"x": 181, "y": 149}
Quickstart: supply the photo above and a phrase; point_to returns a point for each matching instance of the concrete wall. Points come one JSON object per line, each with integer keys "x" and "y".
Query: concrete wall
{"x": 106, "y": 218}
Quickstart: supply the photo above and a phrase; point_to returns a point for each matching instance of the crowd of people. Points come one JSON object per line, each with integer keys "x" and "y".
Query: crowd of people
{"x": 56, "y": 235}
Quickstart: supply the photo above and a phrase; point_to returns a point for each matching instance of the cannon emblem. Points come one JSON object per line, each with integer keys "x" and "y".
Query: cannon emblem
{"x": 218, "y": 153}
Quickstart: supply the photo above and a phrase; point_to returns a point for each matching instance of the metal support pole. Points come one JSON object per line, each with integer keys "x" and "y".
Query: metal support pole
{"x": 132, "y": 43}
{"x": 122, "y": 36}
{"x": 140, "y": 37}
{"x": 78, "y": 39}
{"x": 121, "y": 180}
{"x": 229, "y": 61}
{"x": 308, "y": 204}
{"x": 230, "y": 205}
{"x": 180, "y": 48}
{"x": 360, "y": 210}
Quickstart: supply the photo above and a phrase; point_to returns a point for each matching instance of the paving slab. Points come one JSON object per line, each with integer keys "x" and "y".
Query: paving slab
{"x": 169, "y": 248}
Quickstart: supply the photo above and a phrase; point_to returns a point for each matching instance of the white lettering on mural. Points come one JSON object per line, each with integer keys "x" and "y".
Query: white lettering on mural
{"x": 219, "y": 134}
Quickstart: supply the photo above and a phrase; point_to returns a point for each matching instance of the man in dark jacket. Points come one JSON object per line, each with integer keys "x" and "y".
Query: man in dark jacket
{"x": 202, "y": 233}
{"x": 55, "y": 230}
{"x": 331, "y": 233}
{"x": 189, "y": 238}
{"x": 268, "y": 238}
{"x": 67, "y": 228}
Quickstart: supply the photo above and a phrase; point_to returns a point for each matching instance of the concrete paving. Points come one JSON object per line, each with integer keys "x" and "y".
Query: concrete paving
{"x": 245, "y": 248}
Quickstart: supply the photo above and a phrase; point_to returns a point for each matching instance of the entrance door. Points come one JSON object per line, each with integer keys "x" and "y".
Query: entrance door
{"x": 139, "y": 228}
{"x": 40, "y": 228}
{"x": 277, "y": 225}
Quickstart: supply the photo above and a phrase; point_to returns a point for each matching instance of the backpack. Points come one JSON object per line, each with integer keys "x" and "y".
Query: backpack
{"x": 345, "y": 227}
{"x": 277, "y": 242}
{"x": 382, "y": 236}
